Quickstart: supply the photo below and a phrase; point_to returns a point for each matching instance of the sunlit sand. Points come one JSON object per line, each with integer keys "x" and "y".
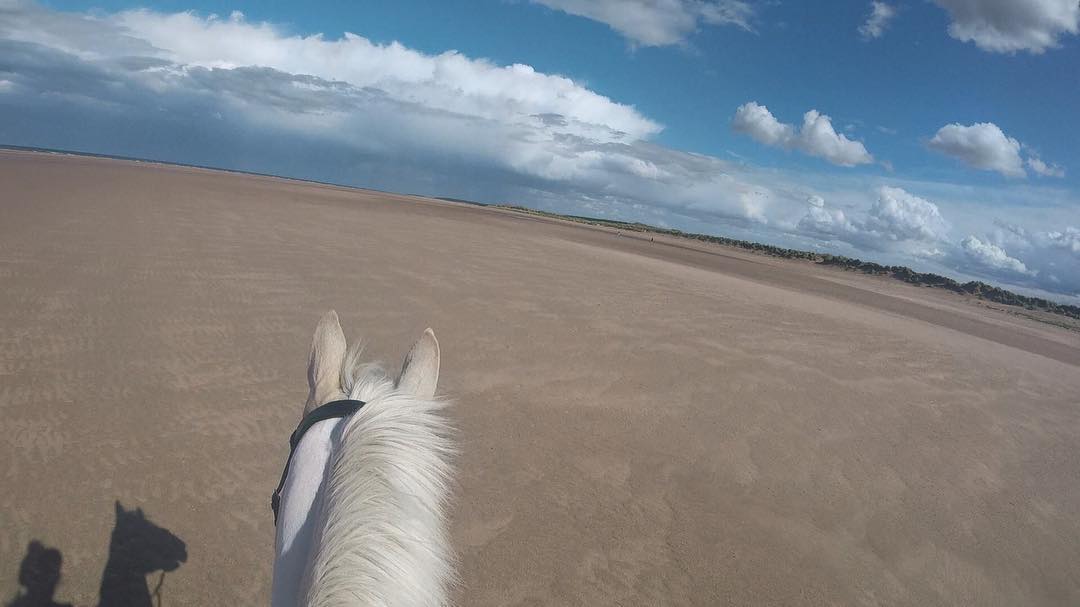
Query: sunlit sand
{"x": 642, "y": 422}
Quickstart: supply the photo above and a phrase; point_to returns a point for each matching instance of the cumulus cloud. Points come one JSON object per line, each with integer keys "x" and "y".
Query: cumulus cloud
{"x": 900, "y": 215}
{"x": 897, "y": 220}
{"x": 1046, "y": 259}
{"x": 992, "y": 257}
{"x": 901, "y": 222}
{"x": 1008, "y": 26}
{"x": 1067, "y": 240}
{"x": 981, "y": 146}
{"x": 658, "y": 22}
{"x": 816, "y": 137}
{"x": 757, "y": 121}
{"x": 878, "y": 20}
{"x": 830, "y": 222}
{"x": 985, "y": 146}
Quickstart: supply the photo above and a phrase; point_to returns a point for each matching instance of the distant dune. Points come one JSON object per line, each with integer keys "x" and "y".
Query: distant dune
{"x": 645, "y": 419}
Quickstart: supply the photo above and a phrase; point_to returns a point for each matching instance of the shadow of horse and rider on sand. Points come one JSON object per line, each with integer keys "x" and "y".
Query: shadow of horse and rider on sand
{"x": 137, "y": 548}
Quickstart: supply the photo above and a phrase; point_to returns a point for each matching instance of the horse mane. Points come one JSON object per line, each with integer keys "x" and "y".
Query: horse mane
{"x": 381, "y": 536}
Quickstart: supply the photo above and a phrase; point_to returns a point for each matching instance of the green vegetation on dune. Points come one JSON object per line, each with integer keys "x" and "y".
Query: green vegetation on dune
{"x": 974, "y": 288}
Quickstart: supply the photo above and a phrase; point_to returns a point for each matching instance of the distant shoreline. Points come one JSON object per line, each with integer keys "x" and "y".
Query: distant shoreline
{"x": 23, "y": 148}
{"x": 975, "y": 288}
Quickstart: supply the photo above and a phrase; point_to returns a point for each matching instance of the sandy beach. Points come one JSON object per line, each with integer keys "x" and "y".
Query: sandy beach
{"x": 641, "y": 422}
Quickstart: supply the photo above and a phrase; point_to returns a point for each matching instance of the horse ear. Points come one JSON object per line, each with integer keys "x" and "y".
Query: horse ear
{"x": 420, "y": 370}
{"x": 119, "y": 509}
{"x": 324, "y": 362}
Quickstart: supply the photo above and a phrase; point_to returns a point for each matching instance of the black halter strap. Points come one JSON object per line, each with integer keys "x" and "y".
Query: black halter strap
{"x": 331, "y": 410}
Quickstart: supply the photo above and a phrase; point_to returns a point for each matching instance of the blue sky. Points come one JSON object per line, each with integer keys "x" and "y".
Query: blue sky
{"x": 943, "y": 137}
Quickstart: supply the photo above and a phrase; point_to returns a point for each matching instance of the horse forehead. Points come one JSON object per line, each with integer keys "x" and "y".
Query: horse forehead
{"x": 295, "y": 527}
{"x": 305, "y": 475}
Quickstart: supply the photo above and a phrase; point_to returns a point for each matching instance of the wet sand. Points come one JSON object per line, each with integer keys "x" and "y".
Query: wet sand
{"x": 641, "y": 422}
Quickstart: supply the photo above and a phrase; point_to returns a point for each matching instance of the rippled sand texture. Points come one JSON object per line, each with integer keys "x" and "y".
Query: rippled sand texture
{"x": 641, "y": 423}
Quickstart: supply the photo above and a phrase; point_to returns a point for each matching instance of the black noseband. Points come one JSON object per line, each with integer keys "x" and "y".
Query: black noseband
{"x": 332, "y": 410}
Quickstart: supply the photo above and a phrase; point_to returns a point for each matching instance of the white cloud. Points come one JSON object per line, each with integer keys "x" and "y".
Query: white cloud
{"x": 757, "y": 121}
{"x": 1037, "y": 258}
{"x": 828, "y": 221}
{"x": 900, "y": 216}
{"x": 1064, "y": 242}
{"x": 992, "y": 257}
{"x": 982, "y": 146}
{"x": 816, "y": 137}
{"x": 1007, "y": 26}
{"x": 1044, "y": 169}
{"x": 658, "y": 22}
{"x": 1067, "y": 240}
{"x": 985, "y": 146}
{"x": 896, "y": 220}
{"x": 880, "y": 16}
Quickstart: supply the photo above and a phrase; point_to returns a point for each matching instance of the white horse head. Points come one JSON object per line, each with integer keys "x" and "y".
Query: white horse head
{"x": 362, "y": 516}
